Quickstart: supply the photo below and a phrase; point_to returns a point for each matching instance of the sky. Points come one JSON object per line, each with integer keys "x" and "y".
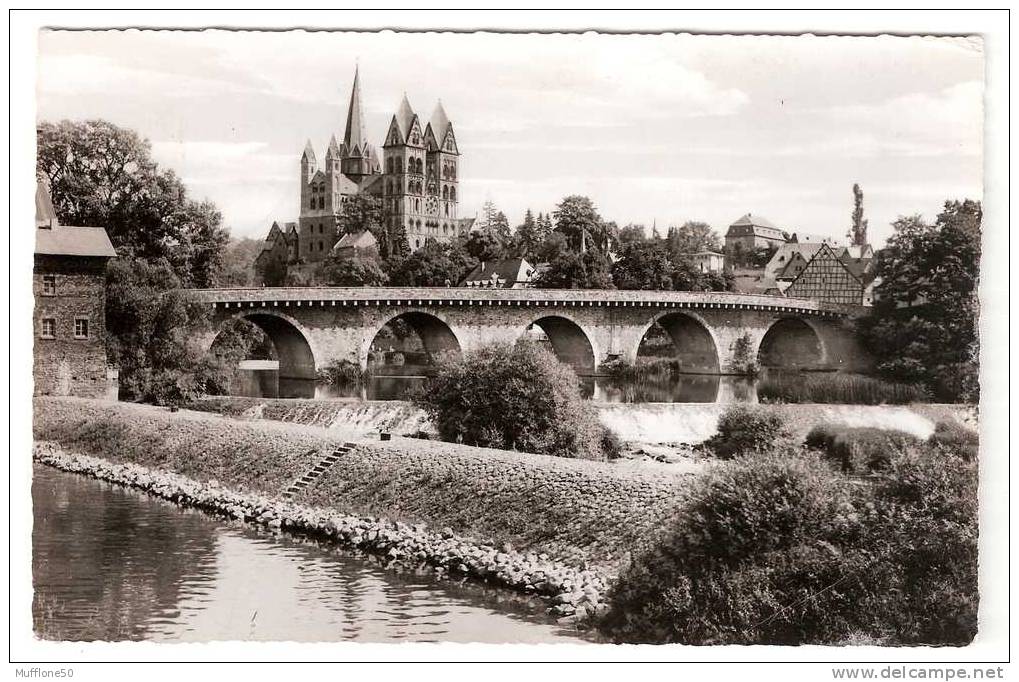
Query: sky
{"x": 655, "y": 129}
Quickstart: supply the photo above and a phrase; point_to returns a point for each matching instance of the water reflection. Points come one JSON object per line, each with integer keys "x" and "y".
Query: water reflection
{"x": 115, "y": 564}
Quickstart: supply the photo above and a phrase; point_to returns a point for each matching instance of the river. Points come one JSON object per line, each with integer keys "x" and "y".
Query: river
{"x": 111, "y": 563}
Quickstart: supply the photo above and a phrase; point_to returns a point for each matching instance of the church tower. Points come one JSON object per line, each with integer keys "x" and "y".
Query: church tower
{"x": 442, "y": 184}
{"x": 404, "y": 175}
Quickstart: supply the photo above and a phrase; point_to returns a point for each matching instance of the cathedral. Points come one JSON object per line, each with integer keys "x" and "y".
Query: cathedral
{"x": 416, "y": 181}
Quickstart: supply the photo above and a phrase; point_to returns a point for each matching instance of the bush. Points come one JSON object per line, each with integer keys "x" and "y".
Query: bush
{"x": 744, "y": 430}
{"x": 513, "y": 397}
{"x": 775, "y": 549}
{"x": 343, "y": 373}
{"x": 853, "y": 389}
{"x": 956, "y": 438}
{"x": 658, "y": 368}
{"x": 858, "y": 450}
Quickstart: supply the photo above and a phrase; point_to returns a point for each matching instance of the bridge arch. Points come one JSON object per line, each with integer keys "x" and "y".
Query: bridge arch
{"x": 694, "y": 344}
{"x": 294, "y": 347}
{"x": 569, "y": 341}
{"x": 792, "y": 343}
{"x": 436, "y": 334}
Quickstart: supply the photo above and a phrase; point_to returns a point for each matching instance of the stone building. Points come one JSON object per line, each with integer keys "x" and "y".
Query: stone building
{"x": 750, "y": 232}
{"x": 416, "y": 178}
{"x": 69, "y": 285}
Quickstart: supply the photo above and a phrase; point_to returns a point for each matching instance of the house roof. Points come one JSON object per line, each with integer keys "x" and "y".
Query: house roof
{"x": 502, "y": 273}
{"x": 54, "y": 239}
{"x": 749, "y": 219}
{"x": 357, "y": 240}
{"x": 44, "y": 211}
{"x": 785, "y": 253}
{"x": 74, "y": 241}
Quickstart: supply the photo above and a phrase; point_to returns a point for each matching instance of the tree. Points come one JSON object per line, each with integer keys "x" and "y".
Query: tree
{"x": 571, "y": 270}
{"x": 631, "y": 233}
{"x": 516, "y": 397}
{"x": 924, "y": 322}
{"x": 433, "y": 265}
{"x": 238, "y": 263}
{"x": 148, "y": 320}
{"x": 577, "y": 219}
{"x": 101, "y": 174}
{"x": 858, "y": 231}
{"x": 642, "y": 265}
{"x": 484, "y": 246}
{"x": 529, "y": 235}
{"x": 351, "y": 272}
{"x": 692, "y": 237}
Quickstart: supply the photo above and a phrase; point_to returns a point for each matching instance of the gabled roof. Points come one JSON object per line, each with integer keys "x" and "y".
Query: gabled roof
{"x": 357, "y": 240}
{"x": 45, "y": 214}
{"x": 500, "y": 274}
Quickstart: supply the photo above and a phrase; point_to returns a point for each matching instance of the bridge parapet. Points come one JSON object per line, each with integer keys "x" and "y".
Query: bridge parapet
{"x": 459, "y": 296}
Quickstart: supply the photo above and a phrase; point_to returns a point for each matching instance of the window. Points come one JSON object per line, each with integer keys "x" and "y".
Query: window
{"x": 49, "y": 328}
{"x": 452, "y": 193}
{"x": 321, "y": 246}
{"x": 81, "y": 327}
{"x": 49, "y": 285}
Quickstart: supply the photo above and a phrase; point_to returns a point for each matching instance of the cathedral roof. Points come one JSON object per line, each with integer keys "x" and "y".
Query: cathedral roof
{"x": 404, "y": 117}
{"x": 354, "y": 136}
{"x": 309, "y": 152}
{"x": 439, "y": 123}
{"x": 334, "y": 149}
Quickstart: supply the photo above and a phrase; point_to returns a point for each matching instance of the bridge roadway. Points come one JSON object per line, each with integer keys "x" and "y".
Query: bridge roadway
{"x": 313, "y": 327}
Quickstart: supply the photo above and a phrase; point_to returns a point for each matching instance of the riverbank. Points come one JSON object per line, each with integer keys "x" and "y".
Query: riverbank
{"x": 542, "y": 525}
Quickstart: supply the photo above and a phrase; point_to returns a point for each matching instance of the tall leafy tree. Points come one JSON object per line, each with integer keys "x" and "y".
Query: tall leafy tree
{"x": 578, "y": 220}
{"x": 351, "y": 272}
{"x": 433, "y": 265}
{"x": 858, "y": 232}
{"x": 924, "y": 323}
{"x": 101, "y": 174}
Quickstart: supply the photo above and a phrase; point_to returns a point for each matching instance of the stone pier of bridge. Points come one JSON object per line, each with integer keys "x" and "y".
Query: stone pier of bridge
{"x": 313, "y": 328}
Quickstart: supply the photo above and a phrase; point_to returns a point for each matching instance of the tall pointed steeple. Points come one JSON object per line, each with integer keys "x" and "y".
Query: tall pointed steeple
{"x": 354, "y": 135}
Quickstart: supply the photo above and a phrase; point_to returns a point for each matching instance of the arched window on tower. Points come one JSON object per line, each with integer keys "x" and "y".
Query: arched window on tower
{"x": 445, "y": 193}
{"x": 452, "y": 193}
{"x": 399, "y": 165}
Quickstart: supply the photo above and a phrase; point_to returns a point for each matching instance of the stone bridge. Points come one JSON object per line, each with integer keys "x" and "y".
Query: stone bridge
{"x": 312, "y": 327}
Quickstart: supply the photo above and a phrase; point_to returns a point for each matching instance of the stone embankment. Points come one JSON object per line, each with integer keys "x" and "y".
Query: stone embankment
{"x": 544, "y": 525}
{"x": 574, "y": 593}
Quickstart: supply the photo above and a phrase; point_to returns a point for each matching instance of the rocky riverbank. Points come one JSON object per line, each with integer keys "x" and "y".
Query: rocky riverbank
{"x": 573, "y": 593}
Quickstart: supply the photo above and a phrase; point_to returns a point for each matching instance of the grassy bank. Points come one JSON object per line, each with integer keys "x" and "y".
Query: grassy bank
{"x": 578, "y": 512}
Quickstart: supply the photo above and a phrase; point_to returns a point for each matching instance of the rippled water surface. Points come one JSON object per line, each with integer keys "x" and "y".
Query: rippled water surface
{"x": 111, "y": 563}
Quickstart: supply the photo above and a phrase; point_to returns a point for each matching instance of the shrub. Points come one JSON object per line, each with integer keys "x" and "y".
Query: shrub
{"x": 513, "y": 397}
{"x": 343, "y": 373}
{"x": 858, "y": 450}
{"x": 957, "y": 438}
{"x": 743, "y": 356}
{"x": 852, "y": 389}
{"x": 644, "y": 368}
{"x": 745, "y": 430}
{"x": 784, "y": 550}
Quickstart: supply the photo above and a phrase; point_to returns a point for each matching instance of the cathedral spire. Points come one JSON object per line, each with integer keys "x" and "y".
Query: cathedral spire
{"x": 354, "y": 135}
{"x": 309, "y": 153}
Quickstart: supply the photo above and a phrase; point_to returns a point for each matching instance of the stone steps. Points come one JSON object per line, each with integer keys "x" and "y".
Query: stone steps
{"x": 313, "y": 474}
